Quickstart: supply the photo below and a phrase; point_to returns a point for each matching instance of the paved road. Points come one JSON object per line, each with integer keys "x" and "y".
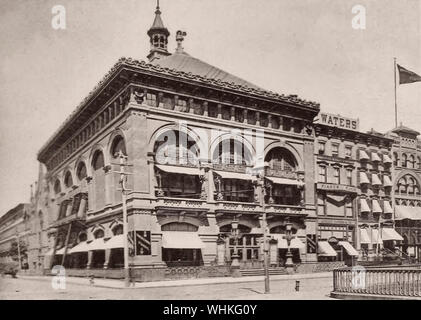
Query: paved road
{"x": 310, "y": 289}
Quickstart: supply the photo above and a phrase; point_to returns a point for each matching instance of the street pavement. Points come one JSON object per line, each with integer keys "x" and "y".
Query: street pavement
{"x": 312, "y": 287}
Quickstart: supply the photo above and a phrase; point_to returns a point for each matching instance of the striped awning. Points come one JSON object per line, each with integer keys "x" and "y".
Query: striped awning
{"x": 387, "y": 182}
{"x": 375, "y": 157}
{"x": 349, "y": 248}
{"x": 179, "y": 170}
{"x": 376, "y": 207}
{"x": 375, "y": 181}
{"x": 364, "y": 237}
{"x": 364, "y": 205}
{"x": 391, "y": 234}
{"x": 326, "y": 250}
{"x": 364, "y": 178}
{"x": 364, "y": 155}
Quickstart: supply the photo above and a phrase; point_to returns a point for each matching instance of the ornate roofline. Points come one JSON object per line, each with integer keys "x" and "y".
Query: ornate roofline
{"x": 182, "y": 75}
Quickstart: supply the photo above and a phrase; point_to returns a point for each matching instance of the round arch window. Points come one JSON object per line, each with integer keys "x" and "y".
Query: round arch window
{"x": 117, "y": 146}
{"x": 68, "y": 181}
{"x": 57, "y": 186}
{"x": 99, "y": 234}
{"x": 81, "y": 171}
{"x": 98, "y": 160}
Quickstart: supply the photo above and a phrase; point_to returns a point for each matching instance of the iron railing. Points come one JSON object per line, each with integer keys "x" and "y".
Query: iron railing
{"x": 378, "y": 281}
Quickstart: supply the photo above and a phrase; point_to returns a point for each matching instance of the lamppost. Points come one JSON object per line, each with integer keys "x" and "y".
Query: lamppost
{"x": 289, "y": 264}
{"x": 259, "y": 172}
{"x": 235, "y": 263}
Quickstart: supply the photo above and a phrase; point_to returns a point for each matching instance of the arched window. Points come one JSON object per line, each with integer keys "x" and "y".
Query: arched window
{"x": 281, "y": 159}
{"x": 117, "y": 146}
{"x": 82, "y": 237}
{"x": 57, "y": 186}
{"x": 408, "y": 185}
{"x": 411, "y": 162}
{"x": 404, "y": 160}
{"x": 68, "y": 181}
{"x": 98, "y": 160}
{"x": 81, "y": 171}
{"x": 176, "y": 147}
{"x": 232, "y": 151}
{"x": 99, "y": 234}
{"x": 419, "y": 162}
{"x": 118, "y": 230}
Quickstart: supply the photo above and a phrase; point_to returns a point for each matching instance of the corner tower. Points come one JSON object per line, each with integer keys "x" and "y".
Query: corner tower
{"x": 158, "y": 35}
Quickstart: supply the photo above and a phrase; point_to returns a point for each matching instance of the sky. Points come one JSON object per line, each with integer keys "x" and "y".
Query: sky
{"x": 303, "y": 47}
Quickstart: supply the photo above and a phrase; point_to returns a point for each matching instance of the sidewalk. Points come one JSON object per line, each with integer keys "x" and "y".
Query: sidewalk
{"x": 119, "y": 284}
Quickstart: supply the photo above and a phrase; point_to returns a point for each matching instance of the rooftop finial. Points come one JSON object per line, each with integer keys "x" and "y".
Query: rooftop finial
{"x": 180, "y": 38}
{"x": 157, "y": 5}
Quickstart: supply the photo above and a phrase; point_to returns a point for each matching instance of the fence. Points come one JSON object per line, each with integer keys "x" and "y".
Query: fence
{"x": 404, "y": 282}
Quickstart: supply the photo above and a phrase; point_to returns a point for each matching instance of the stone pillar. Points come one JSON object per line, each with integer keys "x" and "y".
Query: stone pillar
{"x": 257, "y": 118}
{"x": 91, "y": 194}
{"x": 270, "y": 121}
{"x": 108, "y": 185}
{"x": 82, "y": 207}
{"x": 191, "y": 106}
{"x": 232, "y": 113}
{"x": 90, "y": 256}
{"x": 220, "y": 252}
{"x": 211, "y": 185}
{"x": 273, "y": 252}
{"x": 245, "y": 120}
{"x": 107, "y": 258}
{"x": 69, "y": 207}
{"x": 219, "y": 111}
{"x": 205, "y": 109}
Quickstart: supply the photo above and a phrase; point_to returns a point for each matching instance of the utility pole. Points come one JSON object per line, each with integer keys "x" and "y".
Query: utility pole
{"x": 19, "y": 257}
{"x": 122, "y": 183}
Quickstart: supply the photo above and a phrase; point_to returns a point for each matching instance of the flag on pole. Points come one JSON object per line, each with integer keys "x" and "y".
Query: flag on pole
{"x": 406, "y": 76}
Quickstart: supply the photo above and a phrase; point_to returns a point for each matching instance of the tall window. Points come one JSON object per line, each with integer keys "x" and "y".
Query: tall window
{"x": 404, "y": 160}
{"x": 322, "y": 147}
{"x": 349, "y": 207}
{"x": 232, "y": 151}
{"x": 68, "y": 181}
{"x": 176, "y": 148}
{"x": 321, "y": 208}
{"x": 395, "y": 159}
{"x": 349, "y": 177}
{"x": 98, "y": 179}
{"x": 57, "y": 187}
{"x": 335, "y": 149}
{"x": 81, "y": 171}
{"x": 348, "y": 151}
{"x": 322, "y": 174}
{"x": 336, "y": 175}
{"x": 411, "y": 162}
{"x": 117, "y": 146}
{"x": 281, "y": 159}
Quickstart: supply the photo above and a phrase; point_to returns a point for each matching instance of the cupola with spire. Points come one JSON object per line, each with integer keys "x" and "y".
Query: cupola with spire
{"x": 158, "y": 34}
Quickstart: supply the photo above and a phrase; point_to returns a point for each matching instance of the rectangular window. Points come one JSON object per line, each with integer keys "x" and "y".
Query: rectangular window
{"x": 336, "y": 175}
{"x": 321, "y": 208}
{"x": 322, "y": 174}
{"x": 348, "y": 152}
{"x": 349, "y": 177}
{"x": 322, "y": 147}
{"x": 335, "y": 149}
{"x": 349, "y": 208}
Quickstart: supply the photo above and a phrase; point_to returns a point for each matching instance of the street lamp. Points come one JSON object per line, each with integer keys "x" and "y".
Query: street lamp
{"x": 235, "y": 263}
{"x": 289, "y": 264}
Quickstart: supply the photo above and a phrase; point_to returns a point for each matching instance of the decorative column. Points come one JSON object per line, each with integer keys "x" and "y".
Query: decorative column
{"x": 205, "y": 109}
{"x": 90, "y": 256}
{"x": 220, "y": 252}
{"x": 219, "y": 111}
{"x": 91, "y": 197}
{"x": 257, "y": 118}
{"x": 160, "y": 100}
{"x": 204, "y": 183}
{"x": 109, "y": 187}
{"x": 232, "y": 113}
{"x": 245, "y": 120}
{"x": 82, "y": 206}
{"x": 107, "y": 258}
{"x": 269, "y": 121}
{"x": 191, "y": 106}
{"x": 218, "y": 181}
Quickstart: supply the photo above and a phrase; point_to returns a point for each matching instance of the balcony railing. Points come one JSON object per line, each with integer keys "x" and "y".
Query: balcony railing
{"x": 404, "y": 282}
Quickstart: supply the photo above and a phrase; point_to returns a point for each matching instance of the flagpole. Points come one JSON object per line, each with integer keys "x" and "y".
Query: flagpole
{"x": 396, "y": 105}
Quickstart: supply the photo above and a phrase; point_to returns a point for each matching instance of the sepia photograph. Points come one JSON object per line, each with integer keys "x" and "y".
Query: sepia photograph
{"x": 232, "y": 152}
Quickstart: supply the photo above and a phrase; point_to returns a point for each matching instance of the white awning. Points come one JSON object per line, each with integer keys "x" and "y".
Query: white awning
{"x": 375, "y": 157}
{"x": 364, "y": 155}
{"x": 80, "y": 247}
{"x": 181, "y": 240}
{"x": 349, "y": 248}
{"x": 387, "y": 207}
{"x": 364, "y": 178}
{"x": 375, "y": 236}
{"x": 375, "y": 181}
{"x": 60, "y": 251}
{"x": 364, "y": 237}
{"x": 405, "y": 212}
{"x": 391, "y": 234}
{"x": 179, "y": 170}
{"x": 364, "y": 205}
{"x": 115, "y": 242}
{"x": 325, "y": 249}
{"x": 97, "y": 244}
{"x": 376, "y": 207}
{"x": 285, "y": 181}
{"x": 387, "y": 182}
{"x": 234, "y": 175}
{"x": 386, "y": 159}
{"x": 283, "y": 243}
